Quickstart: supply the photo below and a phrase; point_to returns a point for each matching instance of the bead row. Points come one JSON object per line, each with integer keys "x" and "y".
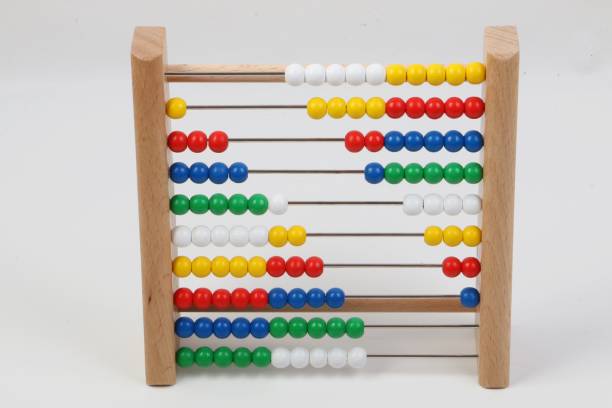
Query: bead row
{"x": 197, "y": 141}
{"x": 435, "y": 204}
{"x": 219, "y": 204}
{"x": 199, "y": 173}
{"x": 413, "y": 141}
{"x": 469, "y": 267}
{"x": 432, "y": 173}
{"x": 453, "y": 236}
{"x": 238, "y": 236}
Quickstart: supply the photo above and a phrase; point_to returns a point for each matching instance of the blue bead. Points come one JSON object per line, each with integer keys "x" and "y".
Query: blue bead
{"x": 183, "y": 327}
{"x": 315, "y": 297}
{"x": 238, "y": 172}
{"x": 453, "y": 141}
{"x": 277, "y": 298}
{"x": 469, "y": 297}
{"x": 222, "y": 327}
{"x": 414, "y": 141}
{"x": 296, "y": 298}
{"x": 335, "y": 298}
{"x": 374, "y": 173}
{"x": 473, "y": 141}
{"x": 394, "y": 141}
{"x": 260, "y": 328}
{"x": 203, "y": 327}
{"x": 198, "y": 173}
{"x": 179, "y": 172}
{"x": 218, "y": 173}
{"x": 433, "y": 141}
{"x": 241, "y": 327}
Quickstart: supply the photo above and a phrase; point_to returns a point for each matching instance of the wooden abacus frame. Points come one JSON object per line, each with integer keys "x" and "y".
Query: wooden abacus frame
{"x": 151, "y": 75}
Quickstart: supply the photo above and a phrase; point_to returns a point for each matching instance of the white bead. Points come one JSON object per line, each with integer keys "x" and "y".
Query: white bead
{"x": 336, "y": 358}
{"x": 355, "y": 74}
{"x": 472, "y": 204}
{"x": 281, "y": 357}
{"x": 258, "y": 236}
{"x": 376, "y": 74}
{"x": 413, "y": 204}
{"x": 294, "y": 74}
{"x": 315, "y": 74}
{"x": 453, "y": 204}
{"x": 433, "y": 204}
{"x": 181, "y": 236}
{"x": 219, "y": 236}
{"x": 357, "y": 357}
{"x": 200, "y": 236}
{"x": 335, "y": 74}
{"x": 299, "y": 357}
{"x": 239, "y": 236}
{"x": 278, "y": 204}
{"x": 318, "y": 358}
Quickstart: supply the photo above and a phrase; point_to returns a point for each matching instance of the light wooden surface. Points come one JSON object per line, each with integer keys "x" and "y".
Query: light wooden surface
{"x": 501, "y": 97}
{"x": 225, "y": 73}
{"x": 150, "y": 92}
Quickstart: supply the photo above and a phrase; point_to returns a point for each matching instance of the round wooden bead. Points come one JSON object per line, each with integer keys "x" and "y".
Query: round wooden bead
{"x": 316, "y": 108}
{"x": 433, "y": 141}
{"x": 295, "y": 266}
{"x": 374, "y": 141}
{"x": 298, "y": 327}
{"x": 394, "y": 173}
{"x": 257, "y": 267}
{"x": 335, "y": 74}
{"x": 470, "y": 267}
{"x": 204, "y": 357}
{"x": 356, "y": 107}
{"x": 337, "y": 358}
{"x": 472, "y": 236}
{"x": 239, "y": 267}
{"x": 317, "y": 328}
{"x": 294, "y": 74}
{"x": 202, "y": 299}
{"x": 197, "y": 141}
{"x": 258, "y": 236}
{"x": 433, "y": 235}
{"x": 433, "y": 204}
{"x": 474, "y": 107}
{"x": 434, "y": 108}
{"x": 336, "y": 108}
{"x": 221, "y": 299}
{"x": 396, "y": 74}
{"x": 318, "y": 358}
{"x": 433, "y": 173}
{"x": 184, "y": 357}
{"x": 262, "y": 357}
{"x": 277, "y": 236}
{"x": 275, "y": 266}
{"x": 242, "y": 357}
{"x": 314, "y": 266}
{"x": 436, "y": 74}
{"x": 453, "y": 204}
{"x": 455, "y": 74}
{"x": 413, "y": 141}
{"x": 453, "y": 107}
{"x": 203, "y": 327}
{"x": 299, "y": 357}
{"x": 218, "y": 173}
{"x": 416, "y": 74}
{"x": 355, "y": 327}
{"x": 181, "y": 236}
{"x": 375, "y": 107}
{"x": 451, "y": 267}
{"x": 183, "y": 298}
{"x": 240, "y": 300}
{"x": 218, "y": 204}
{"x": 469, "y": 297}
{"x": 201, "y": 236}
{"x": 415, "y": 107}
{"x": 258, "y": 204}
{"x": 277, "y": 298}
{"x": 201, "y": 266}
{"x": 179, "y": 204}
{"x": 199, "y": 203}
{"x": 223, "y": 356}
{"x": 452, "y": 235}
{"x": 198, "y": 173}
{"x": 238, "y": 204}
{"x": 473, "y": 141}
{"x": 260, "y": 328}
{"x": 315, "y": 297}
{"x": 334, "y": 298}
{"x": 258, "y": 299}
{"x": 176, "y": 108}
{"x": 314, "y": 74}
{"x": 357, "y": 357}
{"x": 376, "y": 74}
{"x": 413, "y": 173}
{"x": 281, "y": 357}
{"x": 354, "y": 141}
{"x": 412, "y": 204}
{"x": 219, "y": 236}
{"x": 218, "y": 141}
{"x": 453, "y": 173}
{"x": 279, "y": 327}
{"x": 395, "y": 108}
{"x": 278, "y": 204}
{"x": 296, "y": 235}
{"x": 472, "y": 204}
{"x": 475, "y": 72}
{"x": 453, "y": 141}
{"x": 220, "y": 266}
{"x": 181, "y": 266}
{"x": 177, "y": 141}
{"x": 355, "y": 74}
{"x": 472, "y": 173}
{"x": 238, "y": 172}
{"x": 296, "y": 298}
{"x": 336, "y": 327}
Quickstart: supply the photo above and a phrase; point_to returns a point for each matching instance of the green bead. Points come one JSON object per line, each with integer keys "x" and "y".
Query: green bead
{"x": 198, "y": 204}
{"x": 355, "y": 327}
{"x": 204, "y": 357}
{"x": 278, "y": 327}
{"x": 298, "y": 327}
{"x": 179, "y": 204}
{"x": 258, "y": 204}
{"x": 242, "y": 357}
{"x": 218, "y": 204}
{"x": 238, "y": 204}
{"x": 473, "y": 173}
{"x": 433, "y": 173}
{"x": 394, "y": 173}
{"x": 223, "y": 357}
{"x": 262, "y": 357}
{"x": 184, "y": 357}
{"x": 336, "y": 327}
{"x": 453, "y": 173}
{"x": 413, "y": 173}
{"x": 316, "y": 328}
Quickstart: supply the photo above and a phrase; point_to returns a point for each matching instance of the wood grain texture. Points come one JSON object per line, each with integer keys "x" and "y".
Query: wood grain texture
{"x": 225, "y": 73}
{"x": 501, "y": 98}
{"x": 150, "y": 93}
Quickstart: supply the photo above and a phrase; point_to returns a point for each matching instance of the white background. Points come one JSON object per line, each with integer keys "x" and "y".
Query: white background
{"x": 71, "y": 328}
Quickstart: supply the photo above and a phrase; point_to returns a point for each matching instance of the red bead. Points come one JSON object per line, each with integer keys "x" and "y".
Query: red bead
{"x": 183, "y": 298}
{"x": 221, "y": 299}
{"x": 259, "y": 298}
{"x": 474, "y": 107}
{"x": 218, "y": 141}
{"x": 314, "y": 266}
{"x": 453, "y": 107}
{"x": 295, "y": 266}
{"x": 275, "y": 266}
{"x": 374, "y": 141}
{"x": 451, "y": 267}
{"x": 415, "y": 107}
{"x": 177, "y": 141}
{"x": 354, "y": 141}
{"x": 240, "y": 298}
{"x": 395, "y": 108}
{"x": 434, "y": 108}
{"x": 197, "y": 141}
{"x": 470, "y": 267}
{"x": 202, "y": 298}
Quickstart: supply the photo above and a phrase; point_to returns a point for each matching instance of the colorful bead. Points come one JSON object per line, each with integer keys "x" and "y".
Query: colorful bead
{"x": 315, "y": 298}
{"x": 221, "y": 299}
{"x": 294, "y": 74}
{"x": 295, "y": 266}
{"x": 436, "y": 74}
{"x": 470, "y": 267}
{"x": 183, "y": 298}
{"x": 355, "y": 74}
{"x": 203, "y": 327}
{"x": 355, "y": 327}
{"x": 433, "y": 235}
{"x": 455, "y": 74}
{"x": 258, "y": 204}
{"x": 475, "y": 72}
{"x": 336, "y": 108}
{"x": 181, "y": 236}
{"x": 473, "y": 141}
{"x": 257, "y": 267}
{"x": 472, "y": 204}
{"x": 336, "y": 327}
{"x": 413, "y": 141}
{"x": 452, "y": 235}
{"x": 433, "y": 141}
{"x": 197, "y": 141}
{"x": 453, "y": 204}
{"x": 262, "y": 357}
{"x": 176, "y": 108}
{"x": 434, "y": 108}
{"x": 395, "y": 108}
{"x": 314, "y": 74}
{"x": 277, "y": 298}
{"x": 374, "y": 141}
{"x": 412, "y": 204}
{"x": 316, "y": 108}
{"x": 281, "y": 357}
{"x": 298, "y": 327}
{"x": 275, "y": 266}
{"x": 318, "y": 358}
{"x": 222, "y": 327}
{"x": 277, "y": 236}
{"x": 356, "y": 107}
{"x": 279, "y": 327}
{"x": 238, "y": 172}
{"x": 179, "y": 204}
{"x": 201, "y": 236}
{"x": 204, "y": 357}
{"x": 239, "y": 267}
{"x": 218, "y": 204}
{"x": 220, "y": 266}
{"x": 296, "y": 298}
{"x": 202, "y": 298}
{"x": 177, "y": 141}
{"x": 357, "y": 357}
{"x": 242, "y": 357}
{"x": 240, "y": 299}
{"x": 453, "y": 173}
{"x": 469, "y": 297}
{"x": 314, "y": 266}
{"x": 199, "y": 204}
{"x": 300, "y": 357}
{"x": 337, "y": 358}
{"x": 259, "y": 328}
{"x": 296, "y": 235}
{"x": 279, "y": 204}
{"x": 376, "y": 74}
{"x": 415, "y": 107}
{"x": 433, "y": 173}
{"x": 472, "y": 236}
{"x": 335, "y": 74}
{"x": 394, "y": 141}
{"x": 198, "y": 173}
{"x": 396, "y": 74}
{"x": 413, "y": 173}
{"x": 317, "y": 328}
{"x": 451, "y": 267}
{"x": 394, "y": 173}
{"x": 223, "y": 357}
{"x": 474, "y": 107}
{"x": 179, "y": 172}
{"x": 183, "y": 327}
{"x": 375, "y": 107}
{"x": 184, "y": 357}
{"x": 334, "y": 298}
{"x": 237, "y": 204}
{"x": 374, "y": 173}
{"x": 181, "y": 266}
{"x": 258, "y": 299}
{"x": 354, "y": 141}
{"x": 416, "y": 74}
{"x": 218, "y": 141}
{"x": 453, "y": 107}
{"x": 258, "y": 236}
{"x": 453, "y": 141}
{"x": 433, "y": 204}
{"x": 472, "y": 173}
{"x": 218, "y": 173}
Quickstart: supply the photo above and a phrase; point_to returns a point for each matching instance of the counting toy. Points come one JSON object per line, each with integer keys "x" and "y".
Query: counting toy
{"x": 489, "y": 139}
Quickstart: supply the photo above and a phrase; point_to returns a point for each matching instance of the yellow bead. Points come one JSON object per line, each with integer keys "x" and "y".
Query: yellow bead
{"x": 452, "y": 235}
{"x": 257, "y": 267}
{"x": 200, "y": 266}
{"x": 176, "y": 108}
{"x": 475, "y": 72}
{"x": 455, "y": 74}
{"x": 181, "y": 266}
{"x": 472, "y": 236}
{"x": 336, "y": 108}
{"x": 277, "y": 236}
{"x": 375, "y": 107}
{"x": 220, "y": 266}
{"x": 316, "y": 108}
{"x": 356, "y": 107}
{"x": 416, "y": 74}
{"x": 436, "y": 74}
{"x": 433, "y": 235}
{"x": 396, "y": 74}
{"x": 238, "y": 266}
{"x": 296, "y": 235}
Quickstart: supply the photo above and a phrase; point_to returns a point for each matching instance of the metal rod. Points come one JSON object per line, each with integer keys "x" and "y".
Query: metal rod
{"x": 286, "y": 171}
{"x": 211, "y": 73}
{"x": 285, "y": 139}
{"x": 364, "y": 265}
{"x": 365, "y": 234}
{"x": 400, "y": 296}
{"x": 214, "y": 107}
{"x": 421, "y": 326}
{"x": 424, "y": 355}
{"x": 345, "y": 202}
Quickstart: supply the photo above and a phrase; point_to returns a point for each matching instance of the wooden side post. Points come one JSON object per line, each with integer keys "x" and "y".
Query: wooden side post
{"x": 150, "y": 92}
{"x": 501, "y": 97}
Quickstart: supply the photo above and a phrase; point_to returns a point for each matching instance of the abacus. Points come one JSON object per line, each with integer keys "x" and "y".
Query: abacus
{"x": 157, "y": 152}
